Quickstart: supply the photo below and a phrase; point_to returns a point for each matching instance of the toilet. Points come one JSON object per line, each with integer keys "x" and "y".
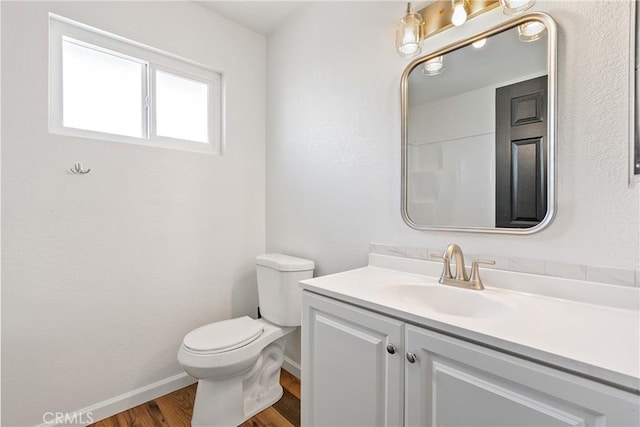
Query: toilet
{"x": 237, "y": 362}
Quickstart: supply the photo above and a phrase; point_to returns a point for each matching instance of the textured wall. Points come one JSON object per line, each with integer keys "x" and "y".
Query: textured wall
{"x": 103, "y": 274}
{"x": 333, "y": 140}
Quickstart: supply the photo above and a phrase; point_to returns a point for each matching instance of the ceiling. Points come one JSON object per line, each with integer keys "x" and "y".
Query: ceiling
{"x": 502, "y": 59}
{"x": 263, "y": 17}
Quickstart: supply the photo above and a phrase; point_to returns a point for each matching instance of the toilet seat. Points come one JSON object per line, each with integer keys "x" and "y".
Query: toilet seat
{"x": 223, "y": 336}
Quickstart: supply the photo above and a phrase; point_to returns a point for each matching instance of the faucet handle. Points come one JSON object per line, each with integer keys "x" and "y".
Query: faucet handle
{"x": 483, "y": 261}
{"x": 446, "y": 267}
{"x": 475, "y": 280}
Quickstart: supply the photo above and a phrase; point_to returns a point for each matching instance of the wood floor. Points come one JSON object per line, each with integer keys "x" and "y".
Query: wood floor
{"x": 175, "y": 409}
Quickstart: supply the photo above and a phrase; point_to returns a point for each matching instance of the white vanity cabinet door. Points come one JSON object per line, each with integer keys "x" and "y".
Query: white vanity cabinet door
{"x": 456, "y": 383}
{"x": 349, "y": 377}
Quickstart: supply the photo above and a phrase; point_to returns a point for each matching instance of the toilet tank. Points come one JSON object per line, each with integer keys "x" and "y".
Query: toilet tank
{"x": 279, "y": 295}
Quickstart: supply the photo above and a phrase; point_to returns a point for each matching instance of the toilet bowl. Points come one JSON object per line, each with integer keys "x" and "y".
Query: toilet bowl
{"x": 240, "y": 380}
{"x": 237, "y": 361}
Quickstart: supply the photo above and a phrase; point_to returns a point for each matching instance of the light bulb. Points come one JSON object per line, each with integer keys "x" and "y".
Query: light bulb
{"x": 408, "y": 34}
{"x": 434, "y": 66}
{"x": 531, "y": 31}
{"x": 512, "y": 7}
{"x": 409, "y": 46}
{"x": 480, "y": 43}
{"x": 459, "y": 15}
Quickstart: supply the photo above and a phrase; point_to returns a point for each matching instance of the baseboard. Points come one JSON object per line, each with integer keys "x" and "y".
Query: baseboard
{"x": 110, "y": 407}
{"x": 291, "y": 366}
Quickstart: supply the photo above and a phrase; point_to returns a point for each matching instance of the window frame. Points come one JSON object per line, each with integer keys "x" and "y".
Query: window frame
{"x": 61, "y": 28}
{"x": 57, "y": 113}
{"x": 213, "y": 92}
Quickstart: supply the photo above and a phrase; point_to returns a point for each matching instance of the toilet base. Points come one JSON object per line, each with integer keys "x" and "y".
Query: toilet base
{"x": 231, "y": 401}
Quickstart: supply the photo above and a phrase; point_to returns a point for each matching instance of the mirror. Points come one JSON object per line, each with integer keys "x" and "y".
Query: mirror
{"x": 478, "y": 137}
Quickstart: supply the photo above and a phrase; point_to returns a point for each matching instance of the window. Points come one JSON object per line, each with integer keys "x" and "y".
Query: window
{"x": 181, "y": 107}
{"x": 105, "y": 87}
{"x": 102, "y": 91}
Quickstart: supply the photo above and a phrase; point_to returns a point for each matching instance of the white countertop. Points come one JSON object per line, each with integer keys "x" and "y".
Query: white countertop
{"x": 540, "y": 323}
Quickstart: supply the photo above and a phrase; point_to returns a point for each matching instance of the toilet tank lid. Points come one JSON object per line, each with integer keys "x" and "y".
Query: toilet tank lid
{"x": 283, "y": 262}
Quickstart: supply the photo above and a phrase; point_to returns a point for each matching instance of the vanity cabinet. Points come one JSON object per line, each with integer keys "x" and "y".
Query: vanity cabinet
{"x": 352, "y": 366}
{"x": 456, "y": 383}
{"x": 425, "y": 378}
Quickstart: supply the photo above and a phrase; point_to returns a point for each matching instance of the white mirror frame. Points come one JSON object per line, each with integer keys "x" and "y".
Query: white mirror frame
{"x": 551, "y": 125}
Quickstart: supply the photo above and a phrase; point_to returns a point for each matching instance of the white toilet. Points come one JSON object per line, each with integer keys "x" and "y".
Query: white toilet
{"x": 237, "y": 362}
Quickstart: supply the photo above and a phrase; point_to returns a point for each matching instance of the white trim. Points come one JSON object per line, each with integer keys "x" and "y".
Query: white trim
{"x": 291, "y": 366}
{"x": 125, "y": 401}
{"x": 159, "y": 56}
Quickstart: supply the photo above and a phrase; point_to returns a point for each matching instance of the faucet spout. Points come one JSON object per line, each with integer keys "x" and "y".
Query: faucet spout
{"x": 462, "y": 280}
{"x": 452, "y": 252}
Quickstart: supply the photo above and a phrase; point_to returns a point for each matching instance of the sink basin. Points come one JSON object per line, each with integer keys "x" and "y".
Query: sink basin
{"x": 445, "y": 299}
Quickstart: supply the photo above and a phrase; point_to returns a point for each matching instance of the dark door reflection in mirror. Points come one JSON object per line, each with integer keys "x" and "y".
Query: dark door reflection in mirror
{"x": 475, "y": 140}
{"x": 521, "y": 164}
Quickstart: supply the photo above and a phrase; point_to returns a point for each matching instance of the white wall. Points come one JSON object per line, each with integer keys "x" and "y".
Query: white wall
{"x": 103, "y": 274}
{"x": 460, "y": 189}
{"x": 333, "y": 140}
{"x": 457, "y": 116}
{"x": 452, "y": 161}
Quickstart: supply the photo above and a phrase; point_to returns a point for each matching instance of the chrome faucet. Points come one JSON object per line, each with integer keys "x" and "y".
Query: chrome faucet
{"x": 461, "y": 279}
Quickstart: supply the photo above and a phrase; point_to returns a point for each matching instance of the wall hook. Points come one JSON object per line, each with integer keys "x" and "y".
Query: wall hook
{"x": 77, "y": 168}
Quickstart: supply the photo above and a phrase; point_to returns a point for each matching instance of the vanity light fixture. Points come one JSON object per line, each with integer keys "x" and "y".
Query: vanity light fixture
{"x": 409, "y": 34}
{"x": 441, "y": 15}
{"x": 512, "y": 7}
{"x": 531, "y": 31}
{"x": 438, "y": 16}
{"x": 434, "y": 66}
{"x": 460, "y": 12}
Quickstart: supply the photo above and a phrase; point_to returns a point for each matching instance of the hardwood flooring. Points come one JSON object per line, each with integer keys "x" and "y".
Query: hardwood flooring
{"x": 175, "y": 409}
